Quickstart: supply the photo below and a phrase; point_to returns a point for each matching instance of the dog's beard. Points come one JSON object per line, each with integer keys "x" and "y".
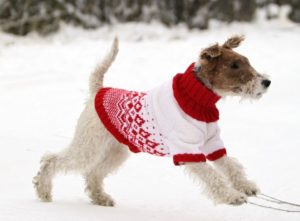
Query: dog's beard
{"x": 254, "y": 89}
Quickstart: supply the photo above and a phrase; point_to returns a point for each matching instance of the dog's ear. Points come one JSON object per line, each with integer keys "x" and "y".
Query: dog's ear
{"x": 208, "y": 54}
{"x": 234, "y": 41}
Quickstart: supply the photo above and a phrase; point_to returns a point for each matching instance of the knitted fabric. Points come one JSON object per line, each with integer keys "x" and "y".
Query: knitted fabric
{"x": 177, "y": 119}
{"x": 194, "y": 98}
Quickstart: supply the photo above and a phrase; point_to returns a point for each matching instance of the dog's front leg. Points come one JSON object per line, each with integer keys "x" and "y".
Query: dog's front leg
{"x": 234, "y": 171}
{"x": 216, "y": 186}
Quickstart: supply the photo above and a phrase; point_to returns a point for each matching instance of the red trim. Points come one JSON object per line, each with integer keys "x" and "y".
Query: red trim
{"x": 216, "y": 155}
{"x": 194, "y": 98}
{"x": 106, "y": 121}
{"x": 191, "y": 158}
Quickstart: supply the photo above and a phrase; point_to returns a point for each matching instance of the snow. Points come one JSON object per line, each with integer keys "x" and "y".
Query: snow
{"x": 43, "y": 86}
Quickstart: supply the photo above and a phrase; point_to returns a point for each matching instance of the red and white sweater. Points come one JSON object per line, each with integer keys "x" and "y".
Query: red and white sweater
{"x": 177, "y": 119}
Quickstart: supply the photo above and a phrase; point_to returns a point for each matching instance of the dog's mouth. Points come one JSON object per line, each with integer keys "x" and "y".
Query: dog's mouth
{"x": 253, "y": 90}
{"x": 257, "y": 88}
{"x": 250, "y": 94}
{"x": 265, "y": 86}
{"x": 237, "y": 90}
{"x": 259, "y": 95}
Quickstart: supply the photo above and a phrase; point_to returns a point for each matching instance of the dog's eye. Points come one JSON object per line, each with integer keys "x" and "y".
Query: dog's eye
{"x": 234, "y": 65}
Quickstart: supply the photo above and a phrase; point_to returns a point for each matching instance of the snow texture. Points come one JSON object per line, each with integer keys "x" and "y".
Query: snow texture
{"x": 43, "y": 86}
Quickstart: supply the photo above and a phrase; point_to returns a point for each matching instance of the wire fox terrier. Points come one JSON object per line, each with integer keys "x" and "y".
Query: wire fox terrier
{"x": 177, "y": 119}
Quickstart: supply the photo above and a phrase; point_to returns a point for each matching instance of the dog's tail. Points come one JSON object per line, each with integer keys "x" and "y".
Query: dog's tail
{"x": 96, "y": 78}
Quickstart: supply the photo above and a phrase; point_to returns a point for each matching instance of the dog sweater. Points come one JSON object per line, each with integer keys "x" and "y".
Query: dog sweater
{"x": 177, "y": 119}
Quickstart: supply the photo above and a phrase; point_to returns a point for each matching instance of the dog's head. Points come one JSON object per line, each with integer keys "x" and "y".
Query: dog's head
{"x": 228, "y": 73}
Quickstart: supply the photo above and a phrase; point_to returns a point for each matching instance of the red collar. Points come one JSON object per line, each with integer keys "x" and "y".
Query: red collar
{"x": 194, "y": 98}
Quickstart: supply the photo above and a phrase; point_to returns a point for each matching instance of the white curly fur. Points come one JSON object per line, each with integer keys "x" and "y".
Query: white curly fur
{"x": 235, "y": 173}
{"x": 94, "y": 153}
{"x": 216, "y": 186}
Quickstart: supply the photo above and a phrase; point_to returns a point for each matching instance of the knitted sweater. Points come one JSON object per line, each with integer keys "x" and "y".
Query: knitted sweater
{"x": 177, "y": 119}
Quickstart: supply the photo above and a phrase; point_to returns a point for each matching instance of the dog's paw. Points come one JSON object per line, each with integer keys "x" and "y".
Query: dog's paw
{"x": 231, "y": 197}
{"x": 43, "y": 191}
{"x": 103, "y": 200}
{"x": 238, "y": 200}
{"x": 248, "y": 187}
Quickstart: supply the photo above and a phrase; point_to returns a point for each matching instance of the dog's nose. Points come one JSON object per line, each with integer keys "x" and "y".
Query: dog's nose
{"x": 266, "y": 83}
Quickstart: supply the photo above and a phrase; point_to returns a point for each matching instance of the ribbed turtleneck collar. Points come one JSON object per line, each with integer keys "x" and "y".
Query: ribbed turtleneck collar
{"x": 194, "y": 98}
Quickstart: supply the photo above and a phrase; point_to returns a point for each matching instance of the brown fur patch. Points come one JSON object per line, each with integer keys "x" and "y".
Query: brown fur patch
{"x": 211, "y": 52}
{"x": 226, "y": 70}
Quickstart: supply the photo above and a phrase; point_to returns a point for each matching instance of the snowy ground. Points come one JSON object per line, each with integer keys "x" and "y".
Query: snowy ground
{"x": 43, "y": 86}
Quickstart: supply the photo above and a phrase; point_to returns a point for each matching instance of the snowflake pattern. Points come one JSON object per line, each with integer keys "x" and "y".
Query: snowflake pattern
{"x": 126, "y": 110}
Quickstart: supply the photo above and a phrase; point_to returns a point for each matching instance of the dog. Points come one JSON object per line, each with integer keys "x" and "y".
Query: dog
{"x": 97, "y": 148}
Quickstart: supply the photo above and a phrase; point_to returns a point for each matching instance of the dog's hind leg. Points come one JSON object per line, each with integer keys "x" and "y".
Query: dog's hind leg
{"x": 114, "y": 157}
{"x": 43, "y": 180}
{"x": 81, "y": 154}
{"x": 50, "y": 165}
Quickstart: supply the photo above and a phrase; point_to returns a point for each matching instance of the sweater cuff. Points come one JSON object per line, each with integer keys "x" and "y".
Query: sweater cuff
{"x": 216, "y": 154}
{"x": 180, "y": 159}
